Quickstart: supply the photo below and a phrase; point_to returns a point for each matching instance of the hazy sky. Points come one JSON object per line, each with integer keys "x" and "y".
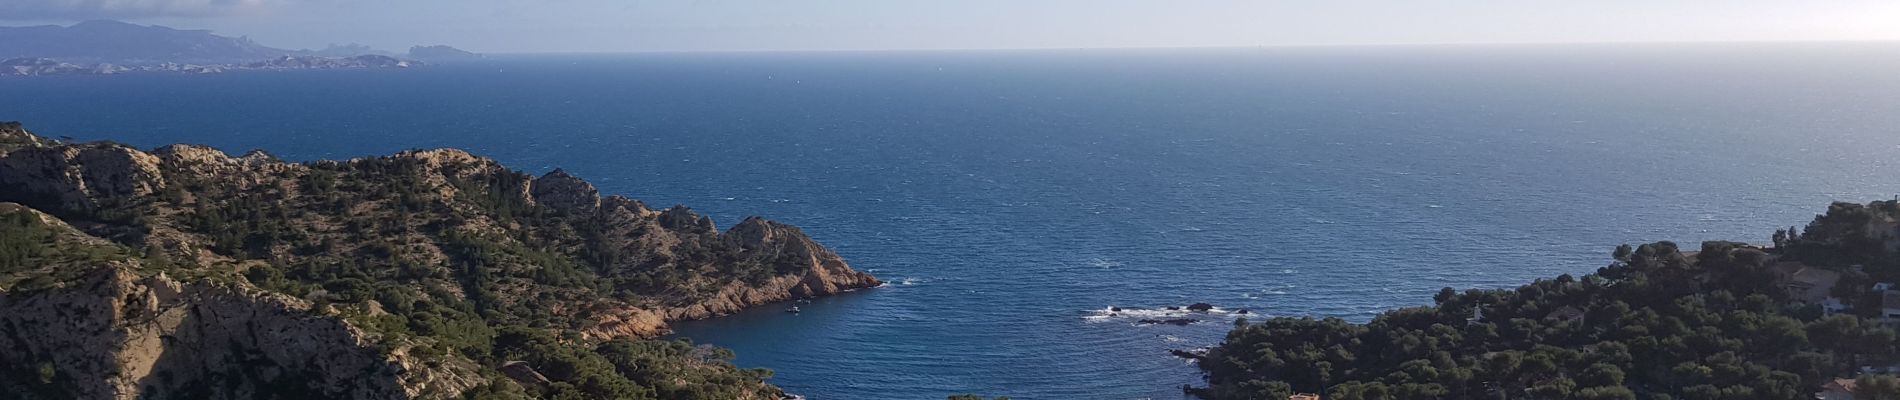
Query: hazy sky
{"x": 643, "y": 25}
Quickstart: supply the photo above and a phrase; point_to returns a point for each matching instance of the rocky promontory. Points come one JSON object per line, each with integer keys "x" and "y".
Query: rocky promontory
{"x": 183, "y": 272}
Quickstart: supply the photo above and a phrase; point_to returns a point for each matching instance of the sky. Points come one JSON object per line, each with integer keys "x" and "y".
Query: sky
{"x": 499, "y": 26}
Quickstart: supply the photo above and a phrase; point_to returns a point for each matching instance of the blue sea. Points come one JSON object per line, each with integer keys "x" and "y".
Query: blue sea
{"x": 1011, "y": 197}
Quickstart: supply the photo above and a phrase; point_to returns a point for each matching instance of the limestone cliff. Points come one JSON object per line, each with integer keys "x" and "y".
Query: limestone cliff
{"x": 117, "y": 335}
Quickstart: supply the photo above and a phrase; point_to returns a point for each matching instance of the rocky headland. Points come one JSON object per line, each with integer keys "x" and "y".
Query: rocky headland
{"x": 184, "y": 272}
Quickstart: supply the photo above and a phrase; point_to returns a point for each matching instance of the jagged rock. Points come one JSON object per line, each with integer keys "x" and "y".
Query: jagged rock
{"x": 1194, "y": 354}
{"x": 1171, "y": 321}
{"x": 683, "y": 219}
{"x": 14, "y": 136}
{"x": 257, "y": 157}
{"x": 1203, "y": 307}
{"x": 565, "y": 192}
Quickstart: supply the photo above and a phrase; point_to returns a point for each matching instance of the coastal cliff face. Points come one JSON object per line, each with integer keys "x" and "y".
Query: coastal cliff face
{"x": 409, "y": 269}
{"x": 118, "y": 335}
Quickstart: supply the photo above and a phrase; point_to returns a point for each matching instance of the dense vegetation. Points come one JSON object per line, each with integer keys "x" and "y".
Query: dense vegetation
{"x": 1655, "y": 324}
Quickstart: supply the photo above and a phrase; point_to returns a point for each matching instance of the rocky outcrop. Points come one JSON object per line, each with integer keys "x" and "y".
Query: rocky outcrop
{"x": 809, "y": 270}
{"x": 119, "y": 335}
{"x": 680, "y": 218}
{"x": 824, "y": 273}
{"x": 1195, "y": 354}
{"x": 14, "y": 136}
{"x": 565, "y": 192}
{"x": 74, "y": 177}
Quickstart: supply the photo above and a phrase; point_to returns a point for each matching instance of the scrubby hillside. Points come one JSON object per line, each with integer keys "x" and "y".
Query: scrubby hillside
{"x": 1727, "y": 322}
{"x": 444, "y": 270}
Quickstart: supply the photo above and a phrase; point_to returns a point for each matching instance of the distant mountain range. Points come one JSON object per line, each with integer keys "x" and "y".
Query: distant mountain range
{"x": 132, "y": 44}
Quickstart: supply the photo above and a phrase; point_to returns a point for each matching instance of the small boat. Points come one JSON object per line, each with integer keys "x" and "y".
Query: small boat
{"x": 793, "y": 310}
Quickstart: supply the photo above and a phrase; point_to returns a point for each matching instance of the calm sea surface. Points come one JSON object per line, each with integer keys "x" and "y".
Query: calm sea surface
{"x": 1010, "y": 197}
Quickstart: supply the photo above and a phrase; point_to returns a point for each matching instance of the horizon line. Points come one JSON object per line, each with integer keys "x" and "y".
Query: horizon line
{"x": 1206, "y": 47}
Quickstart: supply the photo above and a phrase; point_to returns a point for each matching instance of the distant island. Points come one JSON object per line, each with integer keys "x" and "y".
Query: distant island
{"x": 112, "y": 47}
{"x": 184, "y": 272}
{"x": 441, "y": 52}
{"x": 1813, "y": 316}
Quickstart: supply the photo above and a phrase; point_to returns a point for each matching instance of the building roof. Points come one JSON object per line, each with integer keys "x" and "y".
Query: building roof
{"x": 1808, "y": 284}
{"x": 1840, "y": 384}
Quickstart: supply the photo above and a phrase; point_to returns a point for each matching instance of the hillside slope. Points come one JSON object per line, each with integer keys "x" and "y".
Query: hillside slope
{"x": 434, "y": 258}
{"x": 124, "y": 43}
{"x": 1729, "y": 321}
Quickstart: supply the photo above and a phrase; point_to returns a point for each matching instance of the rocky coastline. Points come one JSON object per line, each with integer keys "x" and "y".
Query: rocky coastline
{"x": 184, "y": 272}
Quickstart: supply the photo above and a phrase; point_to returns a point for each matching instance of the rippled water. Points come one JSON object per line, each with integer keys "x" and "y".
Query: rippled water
{"x": 1012, "y": 197}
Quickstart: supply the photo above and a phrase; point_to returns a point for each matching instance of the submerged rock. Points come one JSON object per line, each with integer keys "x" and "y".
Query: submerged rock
{"x": 1191, "y": 354}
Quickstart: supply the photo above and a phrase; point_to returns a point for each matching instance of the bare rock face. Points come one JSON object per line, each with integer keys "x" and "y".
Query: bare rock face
{"x": 565, "y": 192}
{"x": 117, "y": 335}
